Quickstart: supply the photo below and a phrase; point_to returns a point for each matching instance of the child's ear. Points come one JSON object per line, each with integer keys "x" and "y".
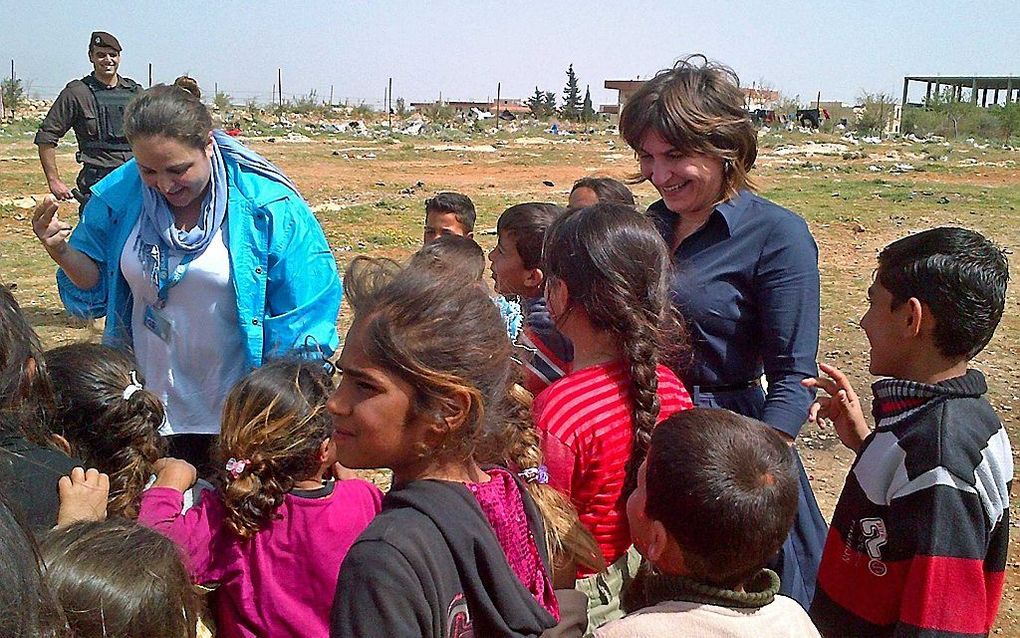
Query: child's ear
{"x": 557, "y": 296}
{"x": 327, "y": 451}
{"x": 658, "y": 542}
{"x": 918, "y": 313}
{"x": 454, "y": 413}
{"x": 533, "y": 278}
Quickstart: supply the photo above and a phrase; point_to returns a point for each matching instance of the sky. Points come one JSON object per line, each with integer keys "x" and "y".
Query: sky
{"x": 461, "y": 50}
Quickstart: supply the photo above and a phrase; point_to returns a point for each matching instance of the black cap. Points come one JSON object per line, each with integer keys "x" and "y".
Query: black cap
{"x": 103, "y": 39}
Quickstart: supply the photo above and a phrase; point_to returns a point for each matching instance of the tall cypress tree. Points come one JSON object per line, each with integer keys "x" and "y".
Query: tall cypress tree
{"x": 571, "y": 109}
{"x": 587, "y": 111}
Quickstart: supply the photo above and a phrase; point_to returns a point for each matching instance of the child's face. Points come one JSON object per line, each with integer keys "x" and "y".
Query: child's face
{"x": 884, "y": 327}
{"x": 439, "y": 223}
{"x": 508, "y": 272}
{"x": 371, "y": 408}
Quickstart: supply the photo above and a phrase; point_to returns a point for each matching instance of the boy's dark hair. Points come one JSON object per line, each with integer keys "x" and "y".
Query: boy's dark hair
{"x": 451, "y": 255}
{"x": 725, "y": 488}
{"x": 460, "y": 205}
{"x": 527, "y": 223}
{"x": 959, "y": 275}
{"x": 607, "y": 189}
{"x": 116, "y": 435}
{"x": 117, "y": 578}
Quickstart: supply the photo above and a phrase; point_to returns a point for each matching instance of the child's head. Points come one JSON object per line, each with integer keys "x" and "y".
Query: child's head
{"x": 954, "y": 276}
{"x": 448, "y": 214}
{"x": 117, "y": 578}
{"x": 425, "y": 368}
{"x": 27, "y": 607}
{"x": 589, "y": 191}
{"x": 607, "y": 267}
{"x": 716, "y": 496}
{"x": 25, "y": 389}
{"x": 275, "y": 432}
{"x": 451, "y": 255}
{"x": 517, "y": 257}
{"x": 107, "y": 418}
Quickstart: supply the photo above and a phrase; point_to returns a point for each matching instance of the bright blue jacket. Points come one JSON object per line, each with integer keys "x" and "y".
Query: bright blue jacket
{"x": 285, "y": 277}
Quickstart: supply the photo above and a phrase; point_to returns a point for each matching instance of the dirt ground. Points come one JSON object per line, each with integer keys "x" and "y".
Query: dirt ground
{"x": 368, "y": 195}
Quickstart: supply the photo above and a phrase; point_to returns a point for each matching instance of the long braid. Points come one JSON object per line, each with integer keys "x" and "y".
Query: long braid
{"x": 640, "y": 349}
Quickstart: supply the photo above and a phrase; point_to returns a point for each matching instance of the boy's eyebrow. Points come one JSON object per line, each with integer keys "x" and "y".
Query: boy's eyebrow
{"x": 354, "y": 372}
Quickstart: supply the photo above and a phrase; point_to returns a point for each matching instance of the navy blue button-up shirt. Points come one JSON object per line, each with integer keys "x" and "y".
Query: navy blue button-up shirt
{"x": 747, "y": 284}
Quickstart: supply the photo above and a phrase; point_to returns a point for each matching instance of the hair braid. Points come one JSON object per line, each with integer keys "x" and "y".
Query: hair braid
{"x": 640, "y": 350}
{"x": 134, "y": 447}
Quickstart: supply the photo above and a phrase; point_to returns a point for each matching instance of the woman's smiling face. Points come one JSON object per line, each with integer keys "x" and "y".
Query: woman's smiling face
{"x": 181, "y": 173}
{"x": 689, "y": 183}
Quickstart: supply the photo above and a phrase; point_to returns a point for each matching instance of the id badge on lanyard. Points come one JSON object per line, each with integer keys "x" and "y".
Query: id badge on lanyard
{"x": 156, "y": 319}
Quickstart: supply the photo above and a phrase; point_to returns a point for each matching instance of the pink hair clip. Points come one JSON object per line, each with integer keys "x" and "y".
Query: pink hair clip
{"x": 236, "y": 466}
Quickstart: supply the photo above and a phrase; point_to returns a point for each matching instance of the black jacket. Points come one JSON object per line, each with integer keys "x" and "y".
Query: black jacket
{"x": 429, "y": 565}
{"x": 28, "y": 478}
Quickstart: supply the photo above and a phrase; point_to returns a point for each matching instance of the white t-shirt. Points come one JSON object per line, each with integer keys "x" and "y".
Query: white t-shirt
{"x": 205, "y": 356}
{"x": 782, "y": 618}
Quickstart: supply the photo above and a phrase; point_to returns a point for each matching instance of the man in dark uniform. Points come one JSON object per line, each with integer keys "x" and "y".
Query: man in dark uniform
{"x": 94, "y": 107}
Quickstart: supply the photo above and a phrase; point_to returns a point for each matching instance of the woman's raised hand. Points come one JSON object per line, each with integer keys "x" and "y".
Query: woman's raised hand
{"x": 842, "y": 406}
{"x": 48, "y": 227}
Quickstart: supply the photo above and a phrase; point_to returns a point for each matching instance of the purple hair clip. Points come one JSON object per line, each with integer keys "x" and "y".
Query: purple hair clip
{"x": 538, "y": 474}
{"x": 236, "y": 466}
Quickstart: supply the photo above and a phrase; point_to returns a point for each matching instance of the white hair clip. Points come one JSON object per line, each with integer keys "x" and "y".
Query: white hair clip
{"x": 132, "y": 387}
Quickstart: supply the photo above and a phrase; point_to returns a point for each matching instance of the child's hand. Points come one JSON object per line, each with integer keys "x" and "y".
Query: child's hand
{"x": 175, "y": 473}
{"x": 842, "y": 407}
{"x": 83, "y": 496}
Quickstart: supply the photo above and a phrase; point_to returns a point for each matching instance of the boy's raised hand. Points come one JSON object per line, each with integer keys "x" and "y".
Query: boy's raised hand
{"x": 83, "y": 496}
{"x": 842, "y": 406}
{"x": 175, "y": 473}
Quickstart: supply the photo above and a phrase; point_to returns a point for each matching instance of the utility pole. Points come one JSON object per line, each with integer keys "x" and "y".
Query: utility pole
{"x": 331, "y": 95}
{"x": 279, "y": 84}
{"x": 150, "y": 75}
{"x": 499, "y": 85}
{"x": 389, "y": 106}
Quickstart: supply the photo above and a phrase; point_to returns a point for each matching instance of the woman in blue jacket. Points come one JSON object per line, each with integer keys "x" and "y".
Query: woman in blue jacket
{"x": 203, "y": 258}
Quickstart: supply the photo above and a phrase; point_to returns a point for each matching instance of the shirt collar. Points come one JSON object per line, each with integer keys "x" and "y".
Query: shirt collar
{"x": 731, "y": 211}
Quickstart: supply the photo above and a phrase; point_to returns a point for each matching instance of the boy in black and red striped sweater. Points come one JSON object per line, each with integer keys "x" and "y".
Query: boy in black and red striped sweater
{"x": 917, "y": 544}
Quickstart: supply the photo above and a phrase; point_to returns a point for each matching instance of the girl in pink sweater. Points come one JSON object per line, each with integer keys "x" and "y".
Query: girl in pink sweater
{"x": 274, "y": 534}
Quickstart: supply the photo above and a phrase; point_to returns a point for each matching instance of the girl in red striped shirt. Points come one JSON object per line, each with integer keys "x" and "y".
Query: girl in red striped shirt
{"x": 607, "y": 290}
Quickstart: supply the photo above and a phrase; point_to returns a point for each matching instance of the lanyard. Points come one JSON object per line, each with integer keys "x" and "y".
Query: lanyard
{"x": 167, "y": 280}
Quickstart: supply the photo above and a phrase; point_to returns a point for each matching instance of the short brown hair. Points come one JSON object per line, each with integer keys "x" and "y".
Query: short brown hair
{"x": 527, "y": 223}
{"x": 449, "y": 202}
{"x": 451, "y": 255}
{"x": 698, "y": 107}
{"x": 725, "y": 488}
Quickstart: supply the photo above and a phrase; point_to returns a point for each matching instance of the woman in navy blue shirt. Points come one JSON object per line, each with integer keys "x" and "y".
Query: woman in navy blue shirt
{"x": 745, "y": 269}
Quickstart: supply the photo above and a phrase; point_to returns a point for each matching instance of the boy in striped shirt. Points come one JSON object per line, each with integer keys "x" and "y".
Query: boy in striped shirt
{"x": 917, "y": 544}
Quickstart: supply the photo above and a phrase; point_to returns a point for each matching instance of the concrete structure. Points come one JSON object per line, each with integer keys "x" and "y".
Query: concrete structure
{"x": 754, "y": 98}
{"x": 978, "y": 84}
